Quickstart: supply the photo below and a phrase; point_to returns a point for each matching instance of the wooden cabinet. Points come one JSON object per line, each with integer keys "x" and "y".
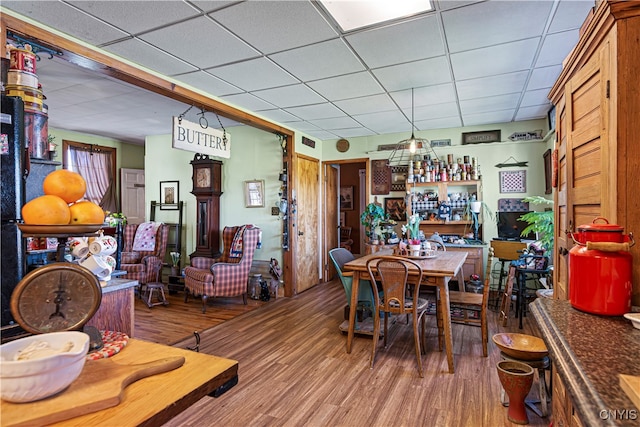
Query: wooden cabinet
{"x": 425, "y": 198}
{"x": 563, "y": 412}
{"x": 597, "y": 127}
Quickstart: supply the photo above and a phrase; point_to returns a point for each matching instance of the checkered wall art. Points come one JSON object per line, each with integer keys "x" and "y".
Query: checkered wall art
{"x": 513, "y": 181}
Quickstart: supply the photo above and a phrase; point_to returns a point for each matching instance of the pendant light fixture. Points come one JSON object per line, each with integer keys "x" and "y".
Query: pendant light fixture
{"x": 417, "y": 147}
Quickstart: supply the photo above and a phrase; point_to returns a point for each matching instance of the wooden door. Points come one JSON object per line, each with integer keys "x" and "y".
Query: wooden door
{"x": 587, "y": 155}
{"x": 132, "y": 195}
{"x": 561, "y": 244}
{"x": 330, "y": 219}
{"x": 305, "y": 226}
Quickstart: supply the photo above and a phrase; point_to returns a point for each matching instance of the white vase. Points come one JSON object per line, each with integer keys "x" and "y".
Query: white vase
{"x": 475, "y": 206}
{"x": 414, "y": 250}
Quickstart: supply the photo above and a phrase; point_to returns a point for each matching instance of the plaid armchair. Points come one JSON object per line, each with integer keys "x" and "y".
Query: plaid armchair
{"x": 143, "y": 266}
{"x": 225, "y": 276}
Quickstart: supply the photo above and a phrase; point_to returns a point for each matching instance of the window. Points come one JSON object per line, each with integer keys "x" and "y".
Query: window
{"x": 97, "y": 165}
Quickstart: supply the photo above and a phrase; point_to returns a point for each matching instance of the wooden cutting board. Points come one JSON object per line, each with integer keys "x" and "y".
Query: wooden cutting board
{"x": 631, "y": 385}
{"x": 99, "y": 386}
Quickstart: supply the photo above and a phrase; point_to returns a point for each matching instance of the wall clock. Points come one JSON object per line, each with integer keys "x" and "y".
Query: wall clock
{"x": 342, "y": 145}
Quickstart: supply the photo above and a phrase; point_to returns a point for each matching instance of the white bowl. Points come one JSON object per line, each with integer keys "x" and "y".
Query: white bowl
{"x": 35, "y": 379}
{"x": 635, "y": 319}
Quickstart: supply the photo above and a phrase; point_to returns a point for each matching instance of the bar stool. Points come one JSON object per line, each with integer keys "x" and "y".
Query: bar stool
{"x": 541, "y": 365}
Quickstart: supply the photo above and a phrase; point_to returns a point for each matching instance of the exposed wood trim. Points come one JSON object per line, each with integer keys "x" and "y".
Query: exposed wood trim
{"x": 106, "y": 65}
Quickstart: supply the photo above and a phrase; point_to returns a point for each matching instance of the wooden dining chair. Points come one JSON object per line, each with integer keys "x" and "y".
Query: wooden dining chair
{"x": 392, "y": 273}
{"x": 471, "y": 301}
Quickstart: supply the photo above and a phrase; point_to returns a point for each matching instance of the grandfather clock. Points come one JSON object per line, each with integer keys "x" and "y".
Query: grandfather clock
{"x": 207, "y": 187}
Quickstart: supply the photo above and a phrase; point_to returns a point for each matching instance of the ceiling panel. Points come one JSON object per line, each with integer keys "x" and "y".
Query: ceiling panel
{"x": 468, "y": 63}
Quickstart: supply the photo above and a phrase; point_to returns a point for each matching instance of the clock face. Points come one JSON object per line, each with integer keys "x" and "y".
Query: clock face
{"x": 203, "y": 177}
{"x": 57, "y": 297}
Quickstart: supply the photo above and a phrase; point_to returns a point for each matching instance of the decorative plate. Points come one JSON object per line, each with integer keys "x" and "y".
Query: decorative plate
{"x": 342, "y": 145}
{"x": 59, "y": 230}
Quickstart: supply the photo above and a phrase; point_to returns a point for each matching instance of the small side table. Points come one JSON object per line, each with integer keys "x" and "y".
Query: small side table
{"x": 176, "y": 284}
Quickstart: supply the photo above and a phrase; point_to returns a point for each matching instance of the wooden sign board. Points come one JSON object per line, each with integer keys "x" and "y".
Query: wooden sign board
{"x": 481, "y": 137}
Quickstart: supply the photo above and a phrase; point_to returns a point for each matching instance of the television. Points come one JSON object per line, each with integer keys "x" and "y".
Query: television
{"x": 510, "y": 227}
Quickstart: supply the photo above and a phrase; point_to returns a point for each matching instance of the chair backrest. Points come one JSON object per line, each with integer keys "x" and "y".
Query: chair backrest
{"x": 341, "y": 256}
{"x": 437, "y": 245}
{"x": 393, "y": 274}
{"x": 487, "y": 277}
{"x": 228, "y": 233}
{"x": 162, "y": 235}
{"x": 345, "y": 233}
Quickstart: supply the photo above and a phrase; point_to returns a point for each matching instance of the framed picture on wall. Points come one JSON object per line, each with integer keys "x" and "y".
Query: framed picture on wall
{"x": 169, "y": 195}
{"x": 513, "y": 181}
{"x": 346, "y": 198}
{"x": 547, "y": 171}
{"x": 254, "y": 194}
{"x": 396, "y": 208}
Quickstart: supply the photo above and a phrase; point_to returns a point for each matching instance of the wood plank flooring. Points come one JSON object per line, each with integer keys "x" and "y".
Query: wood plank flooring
{"x": 174, "y": 322}
{"x": 294, "y": 370}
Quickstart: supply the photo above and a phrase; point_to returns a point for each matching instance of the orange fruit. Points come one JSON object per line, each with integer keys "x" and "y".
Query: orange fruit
{"x": 86, "y": 212}
{"x": 46, "y": 210}
{"x": 66, "y": 184}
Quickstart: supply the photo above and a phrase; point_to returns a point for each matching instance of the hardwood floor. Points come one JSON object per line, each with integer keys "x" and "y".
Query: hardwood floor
{"x": 174, "y": 322}
{"x": 294, "y": 370}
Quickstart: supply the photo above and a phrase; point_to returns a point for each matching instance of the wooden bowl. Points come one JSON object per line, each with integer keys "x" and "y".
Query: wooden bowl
{"x": 521, "y": 346}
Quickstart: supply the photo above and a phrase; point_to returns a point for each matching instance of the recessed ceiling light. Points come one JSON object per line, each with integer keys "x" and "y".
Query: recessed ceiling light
{"x": 352, "y": 14}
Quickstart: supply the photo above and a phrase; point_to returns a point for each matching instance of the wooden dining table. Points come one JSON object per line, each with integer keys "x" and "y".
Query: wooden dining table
{"x": 437, "y": 272}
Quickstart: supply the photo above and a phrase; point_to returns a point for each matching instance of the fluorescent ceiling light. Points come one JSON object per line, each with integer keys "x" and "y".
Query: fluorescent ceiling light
{"x": 352, "y": 14}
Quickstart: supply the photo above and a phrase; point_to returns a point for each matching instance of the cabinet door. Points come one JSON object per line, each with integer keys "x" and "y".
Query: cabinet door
{"x": 561, "y": 244}
{"x": 585, "y": 177}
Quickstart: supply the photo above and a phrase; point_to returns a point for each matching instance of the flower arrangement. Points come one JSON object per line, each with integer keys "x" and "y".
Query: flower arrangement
{"x": 175, "y": 258}
{"x": 412, "y": 229}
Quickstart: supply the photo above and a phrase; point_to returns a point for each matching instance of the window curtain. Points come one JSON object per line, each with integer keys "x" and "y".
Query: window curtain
{"x": 96, "y": 168}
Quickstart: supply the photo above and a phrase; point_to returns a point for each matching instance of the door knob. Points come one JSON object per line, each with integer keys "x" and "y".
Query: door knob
{"x": 300, "y": 233}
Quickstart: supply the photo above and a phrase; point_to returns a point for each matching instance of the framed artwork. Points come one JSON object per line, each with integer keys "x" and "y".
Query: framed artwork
{"x": 547, "y": 171}
{"x": 513, "y": 181}
{"x": 396, "y": 208}
{"x": 169, "y": 195}
{"x": 399, "y": 177}
{"x": 254, "y": 194}
{"x": 551, "y": 118}
{"x": 346, "y": 198}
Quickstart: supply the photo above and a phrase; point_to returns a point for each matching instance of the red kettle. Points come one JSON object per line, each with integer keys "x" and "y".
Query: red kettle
{"x": 600, "y": 269}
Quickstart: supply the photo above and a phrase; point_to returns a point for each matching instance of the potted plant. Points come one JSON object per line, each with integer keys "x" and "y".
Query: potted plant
{"x": 472, "y": 210}
{"x": 371, "y": 218}
{"x": 540, "y": 223}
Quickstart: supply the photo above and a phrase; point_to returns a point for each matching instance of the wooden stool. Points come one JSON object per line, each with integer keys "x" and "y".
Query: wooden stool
{"x": 541, "y": 365}
{"x": 155, "y": 287}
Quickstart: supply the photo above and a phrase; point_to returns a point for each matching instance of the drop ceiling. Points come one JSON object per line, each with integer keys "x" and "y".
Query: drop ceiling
{"x": 470, "y": 63}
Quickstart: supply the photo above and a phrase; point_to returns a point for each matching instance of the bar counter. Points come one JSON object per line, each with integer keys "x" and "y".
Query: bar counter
{"x": 588, "y": 352}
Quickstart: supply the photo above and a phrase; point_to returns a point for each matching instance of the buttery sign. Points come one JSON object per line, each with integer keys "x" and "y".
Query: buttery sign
{"x": 191, "y": 136}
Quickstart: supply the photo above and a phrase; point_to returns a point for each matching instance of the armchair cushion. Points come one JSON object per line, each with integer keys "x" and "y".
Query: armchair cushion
{"x": 130, "y": 257}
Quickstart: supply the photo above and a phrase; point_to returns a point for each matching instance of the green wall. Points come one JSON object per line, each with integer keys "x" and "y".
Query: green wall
{"x": 488, "y": 156}
{"x": 255, "y": 155}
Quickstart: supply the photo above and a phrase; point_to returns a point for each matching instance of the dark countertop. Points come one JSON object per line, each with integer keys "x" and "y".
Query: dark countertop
{"x": 589, "y": 351}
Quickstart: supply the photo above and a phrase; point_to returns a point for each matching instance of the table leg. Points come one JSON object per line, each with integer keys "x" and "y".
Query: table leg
{"x": 355, "y": 284}
{"x": 446, "y": 318}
